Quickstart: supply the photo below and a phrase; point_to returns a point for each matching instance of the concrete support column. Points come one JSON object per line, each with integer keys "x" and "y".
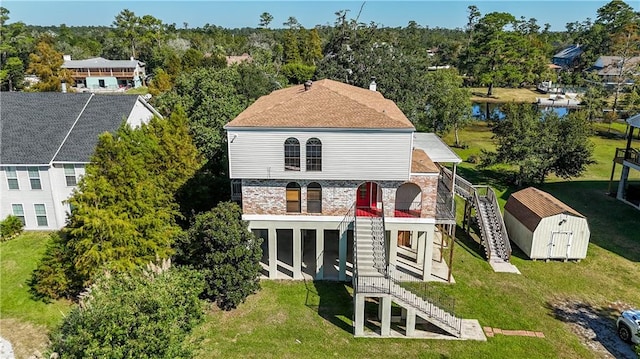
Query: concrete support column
{"x": 624, "y": 176}
{"x": 393, "y": 247}
{"x": 411, "y": 322}
{"x": 342, "y": 256}
{"x": 428, "y": 253}
{"x": 319, "y": 254}
{"x": 273, "y": 253}
{"x": 358, "y": 313}
{"x": 385, "y": 303}
{"x": 421, "y": 245}
{"x": 297, "y": 254}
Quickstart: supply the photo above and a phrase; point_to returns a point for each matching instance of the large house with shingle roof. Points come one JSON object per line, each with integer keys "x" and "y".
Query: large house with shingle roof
{"x": 46, "y": 141}
{"x": 339, "y": 185}
{"x": 305, "y": 158}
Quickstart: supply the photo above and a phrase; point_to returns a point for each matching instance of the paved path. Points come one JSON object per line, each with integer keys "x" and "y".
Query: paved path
{"x": 6, "y": 351}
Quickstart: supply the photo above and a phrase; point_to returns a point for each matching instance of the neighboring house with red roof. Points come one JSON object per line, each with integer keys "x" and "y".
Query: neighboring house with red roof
{"x": 544, "y": 227}
{"x": 339, "y": 185}
{"x": 46, "y": 141}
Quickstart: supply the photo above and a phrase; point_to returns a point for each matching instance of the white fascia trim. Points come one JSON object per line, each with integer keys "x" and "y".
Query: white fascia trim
{"x": 319, "y": 129}
{"x": 302, "y": 218}
{"x": 290, "y": 218}
{"x": 433, "y": 174}
{"x": 406, "y": 220}
{"x": 25, "y": 165}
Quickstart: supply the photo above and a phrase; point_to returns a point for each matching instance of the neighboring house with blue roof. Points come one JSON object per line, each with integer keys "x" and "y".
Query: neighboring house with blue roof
{"x": 568, "y": 57}
{"x": 46, "y": 140}
{"x": 98, "y": 73}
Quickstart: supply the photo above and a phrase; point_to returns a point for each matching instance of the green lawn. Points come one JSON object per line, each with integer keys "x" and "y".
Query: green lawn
{"x": 23, "y": 320}
{"x": 293, "y": 319}
{"x": 313, "y": 320}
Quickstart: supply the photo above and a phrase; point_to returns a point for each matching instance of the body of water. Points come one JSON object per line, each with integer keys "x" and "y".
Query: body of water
{"x": 480, "y": 110}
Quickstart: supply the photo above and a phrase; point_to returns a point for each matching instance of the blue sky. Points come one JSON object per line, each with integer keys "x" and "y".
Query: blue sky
{"x": 232, "y": 14}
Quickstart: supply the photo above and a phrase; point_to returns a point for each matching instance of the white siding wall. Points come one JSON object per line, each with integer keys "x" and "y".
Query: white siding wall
{"x": 346, "y": 154}
{"x": 139, "y": 114}
{"x": 536, "y": 244}
{"x": 519, "y": 234}
{"x": 577, "y": 225}
{"x": 54, "y": 191}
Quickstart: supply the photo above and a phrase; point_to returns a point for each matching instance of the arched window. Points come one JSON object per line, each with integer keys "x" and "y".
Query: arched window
{"x": 291, "y": 154}
{"x": 314, "y": 155}
{"x": 314, "y": 198}
{"x": 293, "y": 197}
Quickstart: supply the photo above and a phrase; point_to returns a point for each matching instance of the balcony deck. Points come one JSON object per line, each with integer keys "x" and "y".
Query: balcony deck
{"x": 631, "y": 155}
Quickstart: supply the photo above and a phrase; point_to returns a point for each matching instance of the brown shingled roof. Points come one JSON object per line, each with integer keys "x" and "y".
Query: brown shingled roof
{"x": 421, "y": 163}
{"x": 327, "y": 104}
{"x": 531, "y": 205}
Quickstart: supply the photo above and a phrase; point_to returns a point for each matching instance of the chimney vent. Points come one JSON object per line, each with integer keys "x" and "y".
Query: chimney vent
{"x": 307, "y": 85}
{"x": 372, "y": 85}
{"x": 64, "y": 86}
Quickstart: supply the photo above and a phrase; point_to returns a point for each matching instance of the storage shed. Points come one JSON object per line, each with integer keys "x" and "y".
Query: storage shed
{"x": 545, "y": 228}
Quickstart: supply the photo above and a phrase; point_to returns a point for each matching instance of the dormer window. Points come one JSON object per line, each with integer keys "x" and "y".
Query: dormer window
{"x": 314, "y": 155}
{"x": 291, "y": 154}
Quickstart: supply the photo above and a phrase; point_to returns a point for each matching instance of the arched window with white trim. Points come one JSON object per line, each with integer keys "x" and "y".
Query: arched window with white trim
{"x": 314, "y": 198}
{"x": 292, "y": 154}
{"x": 314, "y": 154}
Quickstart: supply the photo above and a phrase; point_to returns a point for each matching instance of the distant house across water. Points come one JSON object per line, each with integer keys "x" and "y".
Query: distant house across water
{"x": 568, "y": 57}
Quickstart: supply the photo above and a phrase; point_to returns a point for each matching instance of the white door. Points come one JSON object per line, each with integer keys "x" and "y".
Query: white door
{"x": 560, "y": 244}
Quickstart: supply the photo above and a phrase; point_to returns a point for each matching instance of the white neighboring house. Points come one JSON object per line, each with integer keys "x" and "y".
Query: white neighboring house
{"x": 46, "y": 141}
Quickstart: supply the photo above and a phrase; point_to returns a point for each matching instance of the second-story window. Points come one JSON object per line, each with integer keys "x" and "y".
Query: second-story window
{"x": 291, "y": 154}
{"x": 34, "y": 178}
{"x": 70, "y": 175}
{"x": 293, "y": 197}
{"x": 12, "y": 178}
{"x": 314, "y": 155}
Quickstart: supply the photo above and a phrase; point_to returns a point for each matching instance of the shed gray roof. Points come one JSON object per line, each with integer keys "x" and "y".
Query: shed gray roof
{"x": 100, "y": 62}
{"x": 433, "y": 146}
{"x": 35, "y": 125}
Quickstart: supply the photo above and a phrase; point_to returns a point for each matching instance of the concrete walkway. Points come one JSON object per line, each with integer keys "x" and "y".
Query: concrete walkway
{"x": 6, "y": 350}
{"x": 503, "y": 267}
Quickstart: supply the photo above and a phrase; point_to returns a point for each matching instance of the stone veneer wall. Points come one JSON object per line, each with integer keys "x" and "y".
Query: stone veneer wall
{"x": 267, "y": 197}
{"x": 429, "y": 187}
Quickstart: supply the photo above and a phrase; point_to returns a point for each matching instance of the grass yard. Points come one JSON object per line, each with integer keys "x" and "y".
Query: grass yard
{"x": 23, "y": 320}
{"x": 289, "y": 319}
{"x": 313, "y": 320}
{"x": 479, "y": 94}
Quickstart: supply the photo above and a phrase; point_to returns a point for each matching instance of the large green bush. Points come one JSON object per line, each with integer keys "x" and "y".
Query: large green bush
{"x": 226, "y": 252}
{"x": 10, "y": 227}
{"x": 145, "y": 314}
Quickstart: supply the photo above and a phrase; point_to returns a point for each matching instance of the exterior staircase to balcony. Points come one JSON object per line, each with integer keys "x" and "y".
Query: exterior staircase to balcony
{"x": 492, "y": 229}
{"x": 493, "y": 233}
{"x": 373, "y": 276}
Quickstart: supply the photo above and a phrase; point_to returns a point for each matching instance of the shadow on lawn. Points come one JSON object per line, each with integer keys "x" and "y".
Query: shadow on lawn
{"x": 613, "y": 224}
{"x": 332, "y": 301}
{"x": 595, "y": 326}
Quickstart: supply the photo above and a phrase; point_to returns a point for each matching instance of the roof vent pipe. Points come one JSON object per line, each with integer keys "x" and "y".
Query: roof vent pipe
{"x": 372, "y": 85}
{"x": 307, "y": 85}
{"x": 64, "y": 86}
